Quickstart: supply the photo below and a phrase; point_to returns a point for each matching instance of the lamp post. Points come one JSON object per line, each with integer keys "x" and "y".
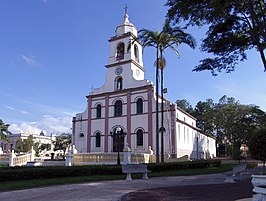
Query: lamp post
{"x": 117, "y": 134}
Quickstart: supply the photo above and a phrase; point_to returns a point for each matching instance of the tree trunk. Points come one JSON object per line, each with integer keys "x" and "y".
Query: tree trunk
{"x": 262, "y": 55}
{"x": 263, "y": 170}
{"x": 157, "y": 106}
{"x": 162, "y": 108}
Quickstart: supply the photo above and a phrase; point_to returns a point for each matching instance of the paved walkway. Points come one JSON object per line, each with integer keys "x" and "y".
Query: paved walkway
{"x": 114, "y": 190}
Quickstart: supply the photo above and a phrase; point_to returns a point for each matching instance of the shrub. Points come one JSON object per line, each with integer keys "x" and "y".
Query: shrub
{"x": 26, "y": 173}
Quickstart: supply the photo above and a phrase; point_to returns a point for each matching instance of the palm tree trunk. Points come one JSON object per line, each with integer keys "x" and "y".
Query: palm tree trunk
{"x": 162, "y": 127}
{"x": 157, "y": 106}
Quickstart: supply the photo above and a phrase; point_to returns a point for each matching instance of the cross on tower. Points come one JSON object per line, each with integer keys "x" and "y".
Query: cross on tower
{"x": 126, "y": 9}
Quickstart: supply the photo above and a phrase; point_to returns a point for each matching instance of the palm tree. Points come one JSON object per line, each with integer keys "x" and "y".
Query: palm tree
{"x": 169, "y": 37}
{"x": 4, "y": 130}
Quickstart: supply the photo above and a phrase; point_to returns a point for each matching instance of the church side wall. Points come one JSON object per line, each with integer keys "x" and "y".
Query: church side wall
{"x": 80, "y": 133}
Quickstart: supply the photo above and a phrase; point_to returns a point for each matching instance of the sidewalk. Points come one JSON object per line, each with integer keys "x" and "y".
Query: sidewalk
{"x": 114, "y": 190}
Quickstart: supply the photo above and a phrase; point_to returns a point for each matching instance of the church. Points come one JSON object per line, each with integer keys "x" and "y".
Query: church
{"x": 122, "y": 113}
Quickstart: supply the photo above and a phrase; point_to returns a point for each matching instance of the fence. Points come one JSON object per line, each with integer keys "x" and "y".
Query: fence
{"x": 109, "y": 158}
{"x": 11, "y": 159}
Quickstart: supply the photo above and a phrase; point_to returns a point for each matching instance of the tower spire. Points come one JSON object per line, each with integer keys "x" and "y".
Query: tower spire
{"x": 126, "y": 20}
{"x": 126, "y": 9}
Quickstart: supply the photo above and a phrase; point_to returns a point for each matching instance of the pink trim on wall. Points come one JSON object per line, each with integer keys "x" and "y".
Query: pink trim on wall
{"x": 89, "y": 125}
{"x": 173, "y": 128}
{"x": 150, "y": 118}
{"x": 129, "y": 118}
{"x": 106, "y": 124}
{"x": 73, "y": 130}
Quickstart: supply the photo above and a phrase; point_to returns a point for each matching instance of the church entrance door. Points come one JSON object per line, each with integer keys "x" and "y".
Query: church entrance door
{"x": 118, "y": 141}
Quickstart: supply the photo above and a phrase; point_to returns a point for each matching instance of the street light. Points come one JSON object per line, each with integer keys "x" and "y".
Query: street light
{"x": 117, "y": 134}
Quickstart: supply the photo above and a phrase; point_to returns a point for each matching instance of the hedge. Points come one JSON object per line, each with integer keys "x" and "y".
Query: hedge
{"x": 26, "y": 173}
{"x": 184, "y": 165}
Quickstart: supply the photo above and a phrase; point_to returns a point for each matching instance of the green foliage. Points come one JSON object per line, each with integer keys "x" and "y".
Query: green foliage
{"x": 233, "y": 28}
{"x": 228, "y": 119}
{"x": 237, "y": 154}
{"x": 45, "y": 147}
{"x": 205, "y": 115}
{"x": 61, "y": 143}
{"x": 184, "y": 165}
{"x": 27, "y": 173}
{"x": 26, "y": 144}
{"x": 4, "y": 130}
{"x": 184, "y": 105}
{"x": 257, "y": 145}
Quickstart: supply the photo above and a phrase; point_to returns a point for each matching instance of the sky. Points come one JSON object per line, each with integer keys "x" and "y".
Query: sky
{"x": 53, "y": 52}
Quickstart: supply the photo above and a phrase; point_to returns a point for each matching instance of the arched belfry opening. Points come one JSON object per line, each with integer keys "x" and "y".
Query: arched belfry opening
{"x": 136, "y": 53}
{"x": 118, "y": 83}
{"x": 120, "y": 51}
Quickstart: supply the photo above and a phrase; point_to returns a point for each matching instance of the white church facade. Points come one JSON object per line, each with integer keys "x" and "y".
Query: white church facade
{"x": 127, "y": 101}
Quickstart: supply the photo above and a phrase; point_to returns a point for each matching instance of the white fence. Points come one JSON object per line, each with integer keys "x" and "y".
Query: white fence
{"x": 12, "y": 159}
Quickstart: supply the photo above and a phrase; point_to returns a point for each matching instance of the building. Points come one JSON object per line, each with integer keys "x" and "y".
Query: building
{"x": 10, "y": 144}
{"x": 127, "y": 101}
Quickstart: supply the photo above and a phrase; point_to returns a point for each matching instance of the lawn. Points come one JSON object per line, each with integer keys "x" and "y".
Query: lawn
{"x": 15, "y": 185}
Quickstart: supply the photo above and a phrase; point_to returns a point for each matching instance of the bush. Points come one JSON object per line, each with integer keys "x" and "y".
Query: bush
{"x": 184, "y": 165}
{"x": 26, "y": 173}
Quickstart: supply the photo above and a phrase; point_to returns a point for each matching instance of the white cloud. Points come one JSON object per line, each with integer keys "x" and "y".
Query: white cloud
{"x": 10, "y": 108}
{"x": 24, "y": 128}
{"x": 15, "y": 110}
{"x": 29, "y": 59}
{"x": 47, "y": 124}
{"x": 24, "y": 112}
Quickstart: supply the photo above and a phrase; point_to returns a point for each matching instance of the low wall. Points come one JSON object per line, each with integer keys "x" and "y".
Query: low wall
{"x": 108, "y": 158}
{"x": 12, "y": 160}
{"x": 4, "y": 159}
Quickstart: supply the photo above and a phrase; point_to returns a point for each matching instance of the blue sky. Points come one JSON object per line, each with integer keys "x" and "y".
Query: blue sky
{"x": 52, "y": 52}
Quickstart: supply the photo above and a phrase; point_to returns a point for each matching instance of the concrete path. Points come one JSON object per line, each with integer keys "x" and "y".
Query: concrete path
{"x": 108, "y": 190}
{"x": 111, "y": 190}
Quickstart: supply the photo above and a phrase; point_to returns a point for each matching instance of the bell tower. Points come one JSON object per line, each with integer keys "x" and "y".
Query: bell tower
{"x": 125, "y": 68}
{"x": 125, "y": 57}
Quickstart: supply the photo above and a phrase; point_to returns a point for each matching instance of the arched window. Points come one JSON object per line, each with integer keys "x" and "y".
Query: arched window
{"x": 98, "y": 111}
{"x": 140, "y": 137}
{"x": 162, "y": 129}
{"x": 98, "y": 140}
{"x": 120, "y": 51}
{"x": 81, "y": 135}
{"x": 136, "y": 52}
{"x": 139, "y": 106}
{"x": 119, "y": 83}
{"x": 118, "y": 108}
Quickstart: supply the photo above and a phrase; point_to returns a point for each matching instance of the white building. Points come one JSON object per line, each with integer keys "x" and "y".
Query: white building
{"x": 11, "y": 143}
{"x": 127, "y": 100}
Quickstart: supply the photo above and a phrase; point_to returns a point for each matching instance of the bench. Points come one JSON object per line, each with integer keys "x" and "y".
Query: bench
{"x": 135, "y": 168}
{"x": 259, "y": 184}
{"x": 236, "y": 172}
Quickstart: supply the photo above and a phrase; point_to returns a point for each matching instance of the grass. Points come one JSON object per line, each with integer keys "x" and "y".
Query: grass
{"x": 16, "y": 185}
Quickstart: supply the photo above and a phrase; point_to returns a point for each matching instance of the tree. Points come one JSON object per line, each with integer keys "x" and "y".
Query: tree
{"x": 45, "y": 147}
{"x": 169, "y": 37}
{"x": 4, "y": 130}
{"x": 25, "y": 145}
{"x": 236, "y": 122}
{"x": 233, "y": 28}
{"x": 61, "y": 142}
{"x": 231, "y": 122}
{"x": 185, "y": 105}
{"x": 205, "y": 116}
{"x": 257, "y": 146}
